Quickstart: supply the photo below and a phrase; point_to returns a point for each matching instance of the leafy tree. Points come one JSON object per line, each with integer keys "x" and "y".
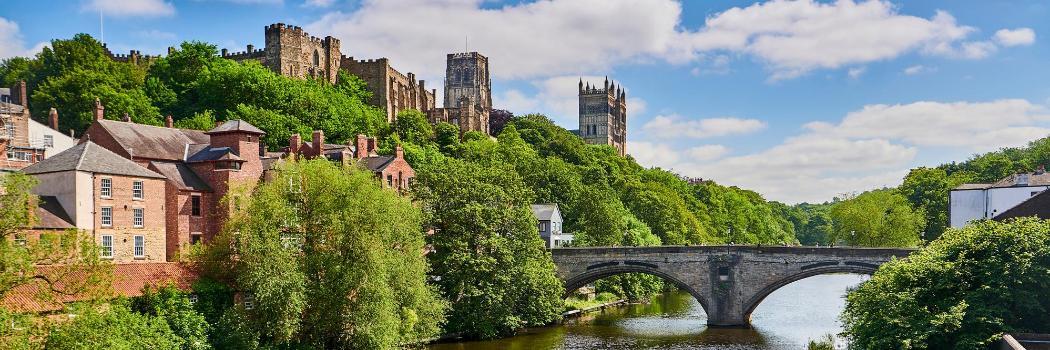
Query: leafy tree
{"x": 498, "y": 118}
{"x": 927, "y": 191}
{"x": 175, "y": 308}
{"x": 881, "y": 218}
{"x": 487, "y": 251}
{"x": 961, "y": 292}
{"x": 200, "y": 121}
{"x": 331, "y": 259}
{"x": 412, "y": 126}
{"x": 115, "y": 327}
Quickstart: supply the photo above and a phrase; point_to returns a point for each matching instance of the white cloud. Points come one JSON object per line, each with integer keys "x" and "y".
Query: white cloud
{"x": 516, "y": 102}
{"x": 11, "y": 42}
{"x": 559, "y": 37}
{"x": 668, "y": 126}
{"x": 1015, "y": 37}
{"x": 707, "y": 152}
{"x": 318, "y": 3}
{"x": 653, "y": 154}
{"x": 131, "y": 8}
{"x": 917, "y": 69}
{"x": 979, "y": 126}
{"x": 855, "y": 73}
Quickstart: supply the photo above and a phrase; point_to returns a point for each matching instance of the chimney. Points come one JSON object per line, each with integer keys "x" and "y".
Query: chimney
{"x": 399, "y": 152}
{"x": 317, "y": 141}
{"x": 126, "y": 118}
{"x": 52, "y": 118}
{"x": 1040, "y": 170}
{"x": 372, "y": 143}
{"x": 362, "y": 146}
{"x": 20, "y": 91}
{"x": 293, "y": 144}
{"x": 99, "y": 110}
{"x": 168, "y": 122}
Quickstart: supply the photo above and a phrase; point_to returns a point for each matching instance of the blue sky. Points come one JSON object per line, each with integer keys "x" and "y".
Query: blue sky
{"x": 799, "y": 100}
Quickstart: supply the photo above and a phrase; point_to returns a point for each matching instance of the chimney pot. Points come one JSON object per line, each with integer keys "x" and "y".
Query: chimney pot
{"x": 362, "y": 146}
{"x": 53, "y": 118}
{"x": 99, "y": 110}
{"x": 399, "y": 152}
{"x": 317, "y": 141}
{"x": 293, "y": 144}
{"x": 169, "y": 122}
{"x": 126, "y": 118}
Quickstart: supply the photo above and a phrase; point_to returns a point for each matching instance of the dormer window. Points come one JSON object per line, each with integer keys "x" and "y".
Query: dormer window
{"x": 228, "y": 165}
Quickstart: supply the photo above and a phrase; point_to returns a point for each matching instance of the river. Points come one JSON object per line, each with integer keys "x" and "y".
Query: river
{"x": 787, "y": 319}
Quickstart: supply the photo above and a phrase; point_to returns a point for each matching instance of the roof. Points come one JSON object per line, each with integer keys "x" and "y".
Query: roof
{"x": 1037, "y": 205}
{"x": 181, "y": 175}
{"x": 971, "y": 187}
{"x": 10, "y": 108}
{"x": 210, "y": 154}
{"x": 128, "y": 281}
{"x": 90, "y": 157}
{"x": 51, "y": 215}
{"x": 544, "y": 211}
{"x": 153, "y": 142}
{"x": 1040, "y": 178}
{"x": 377, "y": 163}
{"x": 236, "y": 125}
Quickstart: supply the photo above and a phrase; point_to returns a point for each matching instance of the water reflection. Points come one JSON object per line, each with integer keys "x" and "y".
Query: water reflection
{"x": 787, "y": 319}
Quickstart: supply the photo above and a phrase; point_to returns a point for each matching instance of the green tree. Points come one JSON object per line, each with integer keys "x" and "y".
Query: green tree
{"x": 200, "y": 121}
{"x": 115, "y": 327}
{"x": 927, "y": 191}
{"x": 332, "y": 260}
{"x": 412, "y": 126}
{"x": 881, "y": 218}
{"x": 491, "y": 261}
{"x": 175, "y": 308}
{"x": 961, "y": 292}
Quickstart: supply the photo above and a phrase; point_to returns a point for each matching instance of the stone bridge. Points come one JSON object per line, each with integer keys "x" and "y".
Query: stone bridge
{"x": 728, "y": 281}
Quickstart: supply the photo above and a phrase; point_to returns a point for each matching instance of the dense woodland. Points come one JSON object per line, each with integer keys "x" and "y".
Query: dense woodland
{"x": 335, "y": 261}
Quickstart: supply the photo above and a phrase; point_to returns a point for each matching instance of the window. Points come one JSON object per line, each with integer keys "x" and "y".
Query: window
{"x": 195, "y": 205}
{"x": 107, "y": 246}
{"x": 107, "y": 217}
{"x": 10, "y": 127}
{"x": 193, "y": 298}
{"x": 249, "y": 301}
{"x": 106, "y": 188}
{"x": 195, "y": 237}
{"x": 13, "y": 154}
{"x": 140, "y": 246}
{"x": 136, "y": 189}
{"x": 20, "y": 239}
{"x": 317, "y": 58}
{"x": 227, "y": 166}
{"x": 390, "y": 180}
{"x": 139, "y": 216}
{"x": 49, "y": 141}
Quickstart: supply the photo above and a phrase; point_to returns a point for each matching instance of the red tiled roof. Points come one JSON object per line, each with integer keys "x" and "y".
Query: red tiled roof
{"x": 128, "y": 281}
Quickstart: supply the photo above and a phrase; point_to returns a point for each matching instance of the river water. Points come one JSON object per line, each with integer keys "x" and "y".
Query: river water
{"x": 787, "y": 319}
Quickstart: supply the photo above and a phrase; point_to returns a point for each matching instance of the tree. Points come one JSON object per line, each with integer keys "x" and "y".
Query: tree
{"x": 927, "y": 189}
{"x": 498, "y": 118}
{"x": 412, "y": 126}
{"x": 175, "y": 308}
{"x": 115, "y": 327}
{"x": 332, "y": 260}
{"x": 491, "y": 261}
{"x": 961, "y": 292}
{"x": 881, "y": 218}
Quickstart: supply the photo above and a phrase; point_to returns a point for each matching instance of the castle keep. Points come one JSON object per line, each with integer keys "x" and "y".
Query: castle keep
{"x": 468, "y": 93}
{"x": 603, "y": 115}
{"x": 292, "y": 52}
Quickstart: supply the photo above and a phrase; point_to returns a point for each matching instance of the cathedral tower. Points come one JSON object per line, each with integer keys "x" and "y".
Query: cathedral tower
{"x": 603, "y": 115}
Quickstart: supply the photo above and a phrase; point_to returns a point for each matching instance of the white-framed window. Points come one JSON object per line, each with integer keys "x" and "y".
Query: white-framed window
{"x": 107, "y": 246}
{"x": 195, "y": 237}
{"x": 20, "y": 239}
{"x": 107, "y": 217}
{"x": 139, "y": 217}
{"x": 249, "y": 301}
{"x": 105, "y": 188}
{"x": 10, "y": 126}
{"x": 193, "y": 298}
{"x": 137, "y": 190}
{"x": 140, "y": 246}
{"x": 17, "y": 155}
{"x": 49, "y": 141}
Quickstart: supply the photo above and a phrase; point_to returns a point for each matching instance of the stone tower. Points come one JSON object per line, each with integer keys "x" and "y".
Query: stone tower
{"x": 294, "y": 53}
{"x": 468, "y": 93}
{"x": 603, "y": 115}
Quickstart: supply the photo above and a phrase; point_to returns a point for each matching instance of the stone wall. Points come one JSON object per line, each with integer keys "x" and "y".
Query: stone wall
{"x": 467, "y": 75}
{"x": 603, "y": 115}
{"x": 122, "y": 228}
{"x": 391, "y": 90}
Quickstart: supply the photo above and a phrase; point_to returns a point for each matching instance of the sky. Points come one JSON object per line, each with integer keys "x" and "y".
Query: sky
{"x": 797, "y": 100}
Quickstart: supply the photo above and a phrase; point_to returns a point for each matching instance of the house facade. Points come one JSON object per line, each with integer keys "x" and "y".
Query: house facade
{"x": 120, "y": 204}
{"x": 14, "y": 137}
{"x": 392, "y": 171}
{"x": 969, "y": 202}
{"x": 549, "y": 219}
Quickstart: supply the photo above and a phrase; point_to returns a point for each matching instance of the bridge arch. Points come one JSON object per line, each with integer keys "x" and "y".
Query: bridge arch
{"x": 761, "y": 295}
{"x": 588, "y": 277}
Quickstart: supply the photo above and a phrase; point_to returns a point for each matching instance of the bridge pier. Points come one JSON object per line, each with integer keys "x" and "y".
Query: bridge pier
{"x": 728, "y": 281}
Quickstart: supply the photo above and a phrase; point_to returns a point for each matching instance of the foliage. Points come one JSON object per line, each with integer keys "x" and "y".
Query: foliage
{"x": 960, "y": 292}
{"x": 498, "y": 119}
{"x": 332, "y": 260}
{"x": 825, "y": 343}
{"x": 490, "y": 259}
{"x": 114, "y": 327}
{"x": 175, "y": 308}
{"x": 880, "y": 218}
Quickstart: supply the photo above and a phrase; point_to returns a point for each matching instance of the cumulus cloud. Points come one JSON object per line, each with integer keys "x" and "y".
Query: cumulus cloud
{"x": 1015, "y": 37}
{"x": 318, "y": 3}
{"x": 707, "y": 152}
{"x": 917, "y": 69}
{"x": 855, "y": 73}
{"x": 869, "y": 148}
{"x": 560, "y": 37}
{"x": 675, "y": 126}
{"x": 12, "y": 43}
{"x": 131, "y": 8}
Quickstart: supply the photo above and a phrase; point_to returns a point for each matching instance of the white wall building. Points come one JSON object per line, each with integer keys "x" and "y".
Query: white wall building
{"x": 970, "y": 202}
{"x": 48, "y": 138}
{"x": 550, "y": 221}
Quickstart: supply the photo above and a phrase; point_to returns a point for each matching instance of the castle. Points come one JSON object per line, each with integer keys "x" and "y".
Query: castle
{"x": 603, "y": 115}
{"x": 468, "y": 93}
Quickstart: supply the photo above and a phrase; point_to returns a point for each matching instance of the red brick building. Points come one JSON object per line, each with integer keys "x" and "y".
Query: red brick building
{"x": 392, "y": 171}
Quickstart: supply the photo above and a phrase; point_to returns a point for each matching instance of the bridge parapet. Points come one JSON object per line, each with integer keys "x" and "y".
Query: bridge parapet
{"x": 728, "y": 281}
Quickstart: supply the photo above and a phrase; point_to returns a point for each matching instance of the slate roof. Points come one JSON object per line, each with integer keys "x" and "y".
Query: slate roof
{"x": 1039, "y": 178}
{"x": 544, "y": 211}
{"x": 90, "y": 157}
{"x": 377, "y": 163}
{"x": 236, "y": 125}
{"x": 210, "y": 154}
{"x": 153, "y": 142}
{"x": 128, "y": 281}
{"x": 181, "y": 175}
{"x": 50, "y": 215}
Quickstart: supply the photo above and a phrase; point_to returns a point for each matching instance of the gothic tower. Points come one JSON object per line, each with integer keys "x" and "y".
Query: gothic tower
{"x": 467, "y": 75}
{"x": 603, "y": 115}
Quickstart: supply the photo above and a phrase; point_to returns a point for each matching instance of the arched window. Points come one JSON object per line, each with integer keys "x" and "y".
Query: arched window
{"x": 317, "y": 58}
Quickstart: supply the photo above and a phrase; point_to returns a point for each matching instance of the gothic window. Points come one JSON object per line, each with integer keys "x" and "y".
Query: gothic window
{"x": 317, "y": 58}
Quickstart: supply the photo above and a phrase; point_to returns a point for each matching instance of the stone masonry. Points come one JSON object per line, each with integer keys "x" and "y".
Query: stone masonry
{"x": 468, "y": 93}
{"x": 603, "y": 115}
{"x": 728, "y": 281}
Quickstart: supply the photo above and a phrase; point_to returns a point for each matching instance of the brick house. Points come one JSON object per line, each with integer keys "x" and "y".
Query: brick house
{"x": 200, "y": 169}
{"x": 392, "y": 171}
{"x": 119, "y": 203}
{"x": 14, "y": 137}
